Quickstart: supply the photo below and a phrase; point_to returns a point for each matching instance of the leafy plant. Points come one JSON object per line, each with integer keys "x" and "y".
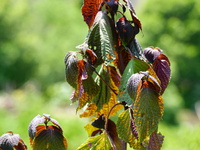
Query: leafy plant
{"x": 115, "y": 77}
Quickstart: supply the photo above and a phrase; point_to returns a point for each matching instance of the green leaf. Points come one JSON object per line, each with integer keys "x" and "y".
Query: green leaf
{"x": 148, "y": 110}
{"x": 104, "y": 94}
{"x": 49, "y": 137}
{"x": 100, "y": 38}
{"x": 99, "y": 142}
{"x": 126, "y": 131}
{"x": 134, "y": 66}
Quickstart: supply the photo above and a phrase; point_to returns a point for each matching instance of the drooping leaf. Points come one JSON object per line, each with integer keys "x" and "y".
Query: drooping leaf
{"x": 89, "y": 10}
{"x": 91, "y": 89}
{"x": 162, "y": 68}
{"x": 127, "y": 131}
{"x": 122, "y": 58}
{"x": 112, "y": 7}
{"x": 10, "y": 141}
{"x": 148, "y": 110}
{"x": 132, "y": 84}
{"x": 49, "y": 137}
{"x": 134, "y": 66}
{"x": 135, "y": 49}
{"x": 46, "y": 136}
{"x": 100, "y": 142}
{"x": 104, "y": 92}
{"x": 126, "y": 31}
{"x": 100, "y": 38}
{"x": 71, "y": 70}
{"x": 113, "y": 135}
{"x": 155, "y": 142}
{"x": 99, "y": 122}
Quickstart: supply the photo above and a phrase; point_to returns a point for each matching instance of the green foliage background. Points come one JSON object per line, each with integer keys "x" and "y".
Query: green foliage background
{"x": 35, "y": 36}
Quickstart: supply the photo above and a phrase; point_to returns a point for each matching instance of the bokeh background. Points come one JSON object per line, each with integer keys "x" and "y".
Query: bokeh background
{"x": 35, "y": 35}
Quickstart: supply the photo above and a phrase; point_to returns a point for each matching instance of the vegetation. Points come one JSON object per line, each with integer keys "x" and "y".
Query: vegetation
{"x": 35, "y": 37}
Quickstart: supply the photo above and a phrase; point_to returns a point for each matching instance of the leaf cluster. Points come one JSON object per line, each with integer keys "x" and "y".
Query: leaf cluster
{"x": 114, "y": 76}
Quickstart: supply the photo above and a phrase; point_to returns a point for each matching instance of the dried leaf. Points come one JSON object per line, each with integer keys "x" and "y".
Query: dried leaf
{"x": 136, "y": 21}
{"x": 89, "y": 10}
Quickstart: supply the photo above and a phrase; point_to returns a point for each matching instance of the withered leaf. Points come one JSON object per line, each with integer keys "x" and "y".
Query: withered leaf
{"x": 89, "y": 10}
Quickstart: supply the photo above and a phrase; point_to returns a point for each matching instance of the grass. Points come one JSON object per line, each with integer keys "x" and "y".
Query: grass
{"x": 19, "y": 107}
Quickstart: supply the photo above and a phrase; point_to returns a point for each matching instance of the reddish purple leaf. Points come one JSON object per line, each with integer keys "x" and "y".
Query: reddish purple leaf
{"x": 162, "y": 68}
{"x": 152, "y": 53}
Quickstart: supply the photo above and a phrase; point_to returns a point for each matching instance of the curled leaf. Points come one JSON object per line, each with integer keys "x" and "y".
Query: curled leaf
{"x": 126, "y": 31}
{"x": 162, "y": 68}
{"x": 46, "y": 136}
{"x": 132, "y": 84}
{"x": 9, "y": 141}
{"x": 71, "y": 68}
{"x": 152, "y": 53}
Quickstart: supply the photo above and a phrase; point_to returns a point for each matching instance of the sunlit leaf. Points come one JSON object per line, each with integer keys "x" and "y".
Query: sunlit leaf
{"x": 10, "y": 141}
{"x": 104, "y": 92}
{"x": 127, "y": 131}
{"x": 90, "y": 110}
{"x": 71, "y": 70}
{"x": 99, "y": 142}
{"x": 89, "y": 10}
{"x": 90, "y": 129}
{"x": 134, "y": 66}
{"x": 100, "y": 38}
{"x": 148, "y": 110}
{"x": 155, "y": 142}
{"x": 162, "y": 68}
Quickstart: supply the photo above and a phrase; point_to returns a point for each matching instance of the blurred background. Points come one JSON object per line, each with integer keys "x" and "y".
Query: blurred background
{"x": 35, "y": 35}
